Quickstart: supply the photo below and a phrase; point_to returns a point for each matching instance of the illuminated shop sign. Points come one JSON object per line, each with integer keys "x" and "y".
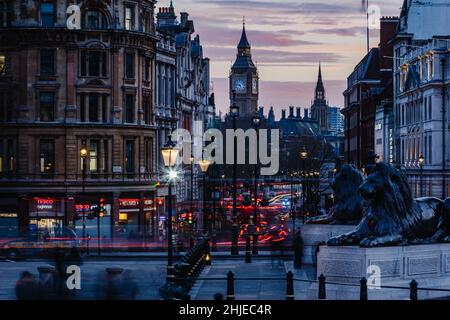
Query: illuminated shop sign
{"x": 85, "y": 207}
{"x": 129, "y": 202}
{"x": 134, "y": 202}
{"x": 8, "y": 215}
{"x": 44, "y": 204}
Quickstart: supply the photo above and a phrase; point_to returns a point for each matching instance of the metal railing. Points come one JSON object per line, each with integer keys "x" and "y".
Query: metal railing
{"x": 187, "y": 271}
{"x": 413, "y": 287}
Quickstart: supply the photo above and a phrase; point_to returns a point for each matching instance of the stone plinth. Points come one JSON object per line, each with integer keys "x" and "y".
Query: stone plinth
{"x": 429, "y": 265}
{"x": 315, "y": 234}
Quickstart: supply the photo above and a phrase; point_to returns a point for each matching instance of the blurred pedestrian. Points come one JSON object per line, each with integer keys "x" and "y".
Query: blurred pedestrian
{"x": 60, "y": 271}
{"x": 28, "y": 288}
{"x": 298, "y": 249}
{"x": 130, "y": 288}
{"x": 276, "y": 253}
{"x": 74, "y": 257}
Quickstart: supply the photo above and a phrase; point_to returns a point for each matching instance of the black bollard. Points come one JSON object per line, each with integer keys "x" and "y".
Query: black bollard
{"x": 363, "y": 289}
{"x": 230, "y": 285}
{"x": 290, "y": 286}
{"x": 298, "y": 251}
{"x": 248, "y": 253}
{"x": 413, "y": 287}
{"x": 322, "y": 289}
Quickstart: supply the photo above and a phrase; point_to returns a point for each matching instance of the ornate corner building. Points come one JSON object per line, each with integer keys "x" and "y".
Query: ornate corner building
{"x": 421, "y": 108}
{"x": 64, "y": 90}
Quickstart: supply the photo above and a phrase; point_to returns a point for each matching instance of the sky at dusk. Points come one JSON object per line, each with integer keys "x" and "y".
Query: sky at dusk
{"x": 288, "y": 38}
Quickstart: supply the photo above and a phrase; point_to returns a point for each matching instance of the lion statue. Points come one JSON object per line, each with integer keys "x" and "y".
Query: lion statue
{"x": 393, "y": 217}
{"x": 348, "y": 207}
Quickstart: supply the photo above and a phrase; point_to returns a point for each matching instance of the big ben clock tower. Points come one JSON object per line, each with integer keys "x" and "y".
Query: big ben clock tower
{"x": 244, "y": 80}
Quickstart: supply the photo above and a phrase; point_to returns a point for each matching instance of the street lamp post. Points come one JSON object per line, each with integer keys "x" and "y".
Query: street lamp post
{"x": 204, "y": 165}
{"x": 192, "y": 191}
{"x": 310, "y": 194}
{"x": 83, "y": 155}
{"x": 234, "y": 111}
{"x": 421, "y": 162}
{"x": 214, "y": 214}
{"x": 291, "y": 209}
{"x": 170, "y": 155}
{"x": 318, "y": 193}
{"x": 256, "y": 122}
{"x": 303, "y": 157}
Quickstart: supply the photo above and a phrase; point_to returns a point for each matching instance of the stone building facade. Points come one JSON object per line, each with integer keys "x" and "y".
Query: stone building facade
{"x": 62, "y": 90}
{"x": 183, "y": 96}
{"x": 421, "y": 101}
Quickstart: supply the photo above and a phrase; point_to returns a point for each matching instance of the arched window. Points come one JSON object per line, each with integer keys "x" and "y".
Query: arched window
{"x": 94, "y": 19}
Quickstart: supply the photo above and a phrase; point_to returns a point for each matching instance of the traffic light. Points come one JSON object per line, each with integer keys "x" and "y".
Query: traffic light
{"x": 101, "y": 208}
{"x": 190, "y": 217}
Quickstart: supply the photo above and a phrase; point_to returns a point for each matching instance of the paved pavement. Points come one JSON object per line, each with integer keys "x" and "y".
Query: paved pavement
{"x": 147, "y": 275}
{"x": 244, "y": 289}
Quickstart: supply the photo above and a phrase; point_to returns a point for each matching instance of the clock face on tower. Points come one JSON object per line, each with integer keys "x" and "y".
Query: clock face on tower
{"x": 239, "y": 85}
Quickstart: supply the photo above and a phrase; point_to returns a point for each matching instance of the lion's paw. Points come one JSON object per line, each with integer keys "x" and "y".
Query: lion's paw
{"x": 336, "y": 241}
{"x": 370, "y": 243}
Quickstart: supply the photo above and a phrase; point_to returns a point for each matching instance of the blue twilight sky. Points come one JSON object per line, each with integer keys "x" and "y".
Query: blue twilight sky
{"x": 288, "y": 38}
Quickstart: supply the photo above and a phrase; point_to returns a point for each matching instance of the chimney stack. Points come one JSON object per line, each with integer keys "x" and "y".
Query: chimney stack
{"x": 388, "y": 28}
{"x": 291, "y": 112}
{"x": 305, "y": 111}
{"x": 299, "y": 113}
{"x": 184, "y": 18}
{"x": 283, "y": 114}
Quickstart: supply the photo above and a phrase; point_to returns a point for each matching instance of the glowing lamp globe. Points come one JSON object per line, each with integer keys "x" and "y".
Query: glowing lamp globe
{"x": 204, "y": 165}
{"x": 170, "y": 153}
{"x": 83, "y": 152}
{"x": 234, "y": 110}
